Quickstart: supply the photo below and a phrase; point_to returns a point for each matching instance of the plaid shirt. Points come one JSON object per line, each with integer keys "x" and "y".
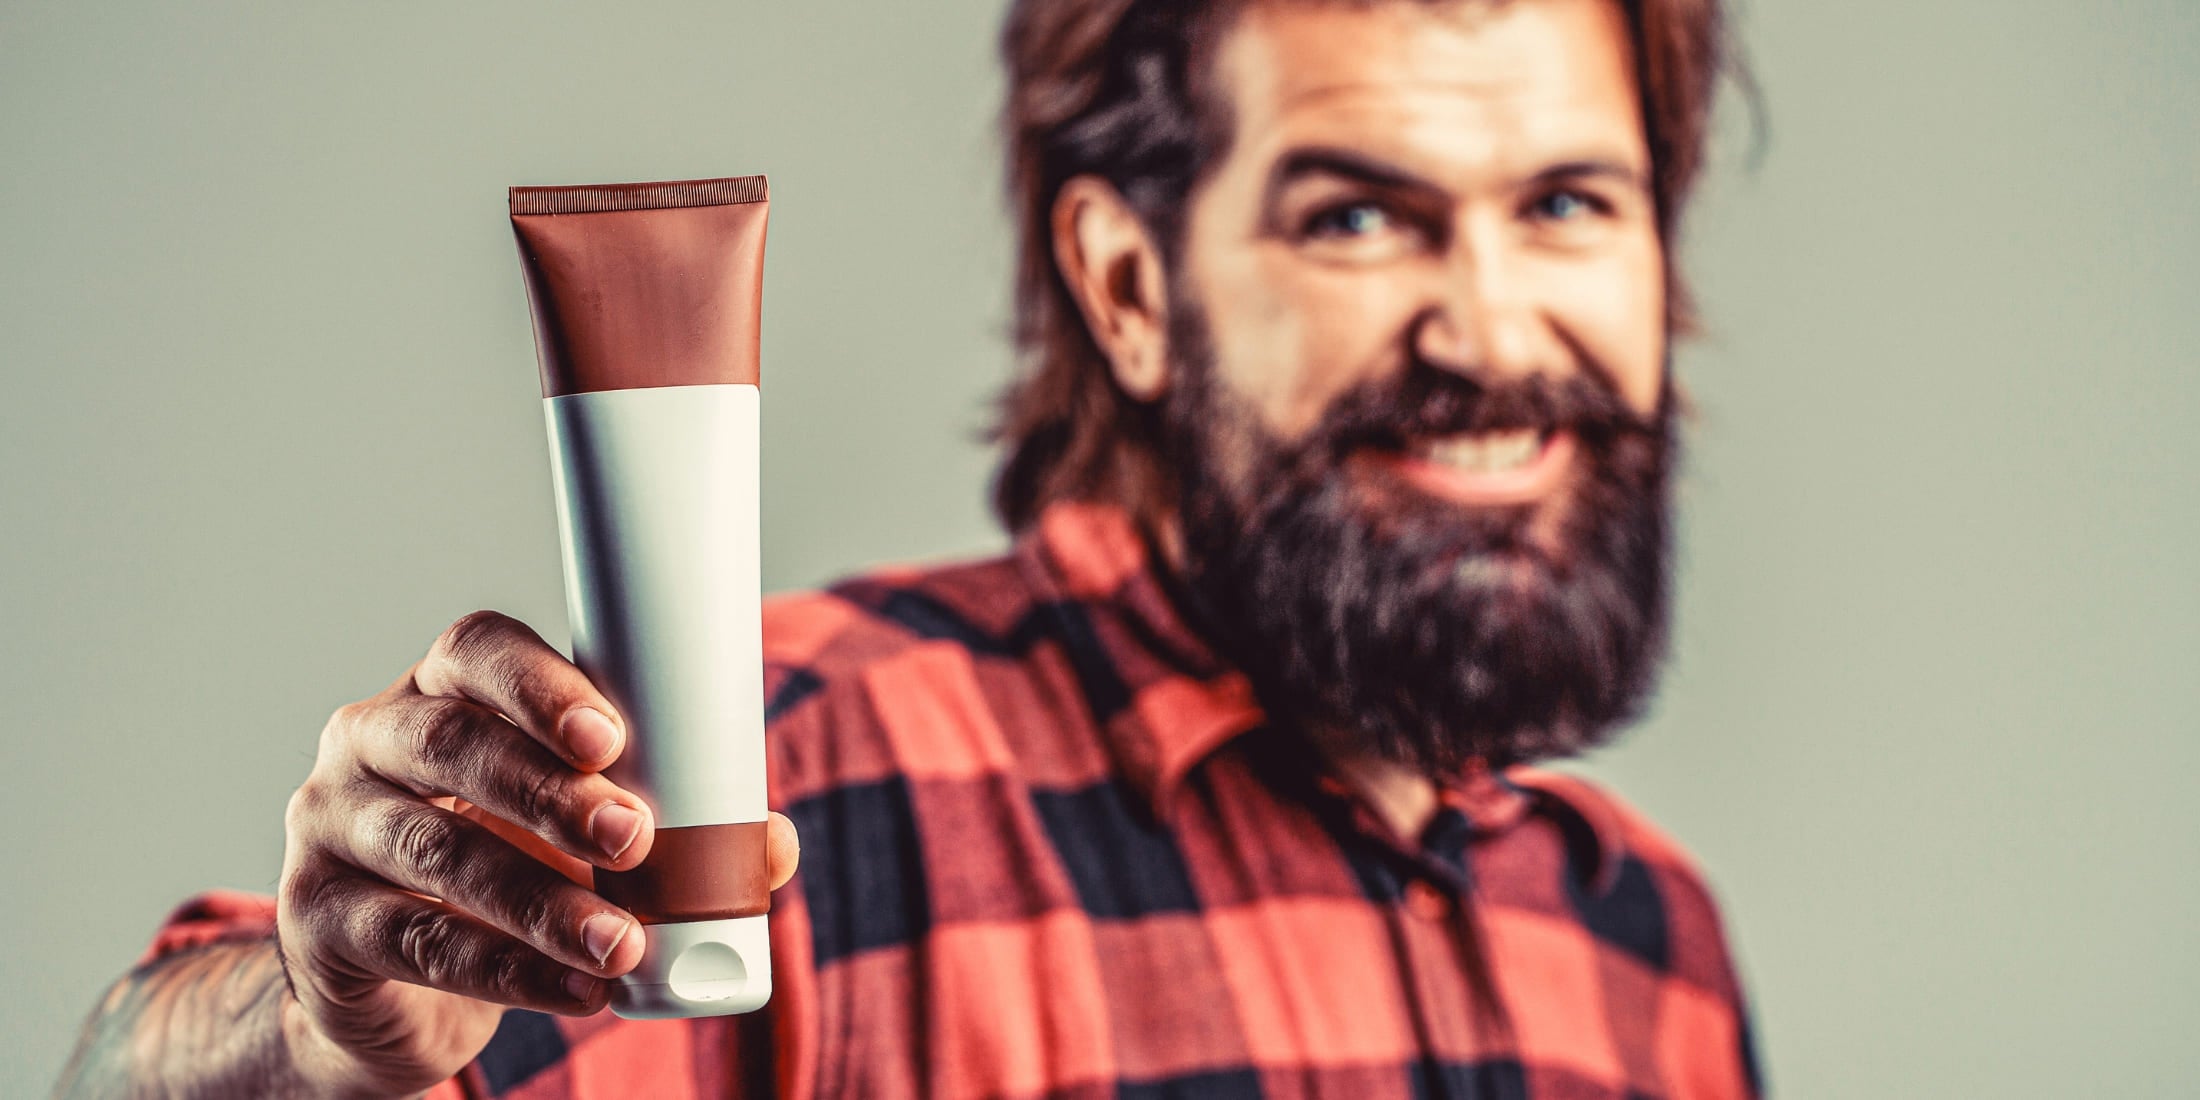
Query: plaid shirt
{"x": 1050, "y": 848}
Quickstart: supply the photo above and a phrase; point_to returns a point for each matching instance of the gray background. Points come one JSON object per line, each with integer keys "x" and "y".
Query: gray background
{"x": 271, "y": 421}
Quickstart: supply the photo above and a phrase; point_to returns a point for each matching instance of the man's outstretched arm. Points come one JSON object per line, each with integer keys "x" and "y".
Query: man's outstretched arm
{"x": 435, "y": 865}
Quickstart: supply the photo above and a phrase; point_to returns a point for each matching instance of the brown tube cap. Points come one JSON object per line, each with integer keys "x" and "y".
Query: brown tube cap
{"x": 637, "y": 285}
{"x": 702, "y": 872}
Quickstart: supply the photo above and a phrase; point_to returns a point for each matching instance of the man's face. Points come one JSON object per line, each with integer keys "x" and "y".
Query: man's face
{"x": 1420, "y": 408}
{"x": 1465, "y": 181}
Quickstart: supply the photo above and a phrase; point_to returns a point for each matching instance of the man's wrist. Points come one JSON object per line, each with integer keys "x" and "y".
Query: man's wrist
{"x": 315, "y": 1066}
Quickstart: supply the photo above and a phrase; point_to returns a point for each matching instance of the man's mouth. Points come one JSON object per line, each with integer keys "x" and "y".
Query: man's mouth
{"x": 1509, "y": 466}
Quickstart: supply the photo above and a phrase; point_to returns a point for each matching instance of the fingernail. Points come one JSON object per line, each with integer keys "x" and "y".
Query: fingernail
{"x": 580, "y": 986}
{"x": 615, "y": 828}
{"x": 589, "y": 736}
{"x": 602, "y": 933}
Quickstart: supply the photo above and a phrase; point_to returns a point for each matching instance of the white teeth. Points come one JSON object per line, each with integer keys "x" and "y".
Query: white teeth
{"x": 1488, "y": 452}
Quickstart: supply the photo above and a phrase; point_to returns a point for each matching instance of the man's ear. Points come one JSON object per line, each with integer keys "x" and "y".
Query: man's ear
{"x": 1113, "y": 268}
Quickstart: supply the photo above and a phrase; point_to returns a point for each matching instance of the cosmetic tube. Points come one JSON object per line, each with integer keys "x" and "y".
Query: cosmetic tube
{"x": 647, "y": 301}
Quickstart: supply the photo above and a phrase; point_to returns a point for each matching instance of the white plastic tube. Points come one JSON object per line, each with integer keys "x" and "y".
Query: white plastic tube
{"x": 645, "y": 299}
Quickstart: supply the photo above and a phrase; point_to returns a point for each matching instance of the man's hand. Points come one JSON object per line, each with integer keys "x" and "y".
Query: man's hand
{"x": 435, "y": 858}
{"x": 435, "y": 869}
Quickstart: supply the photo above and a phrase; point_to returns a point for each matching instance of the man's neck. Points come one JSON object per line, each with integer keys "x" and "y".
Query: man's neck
{"x": 1401, "y": 796}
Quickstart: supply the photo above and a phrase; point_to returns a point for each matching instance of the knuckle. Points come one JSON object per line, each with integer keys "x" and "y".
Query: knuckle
{"x": 427, "y": 941}
{"x": 429, "y": 843}
{"x": 441, "y": 733}
{"x": 465, "y": 638}
{"x": 338, "y": 731}
{"x": 541, "y": 798}
{"x": 535, "y": 910}
{"x": 351, "y": 714}
{"x": 304, "y": 807}
{"x": 374, "y": 927}
{"x": 508, "y": 971}
{"x": 301, "y": 889}
{"x": 317, "y": 909}
{"x": 338, "y": 721}
{"x": 540, "y": 682}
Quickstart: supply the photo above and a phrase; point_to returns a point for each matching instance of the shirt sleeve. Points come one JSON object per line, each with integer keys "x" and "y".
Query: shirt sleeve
{"x": 216, "y": 916}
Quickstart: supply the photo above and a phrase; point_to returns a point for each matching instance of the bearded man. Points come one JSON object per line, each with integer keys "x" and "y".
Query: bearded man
{"x": 1338, "y": 474}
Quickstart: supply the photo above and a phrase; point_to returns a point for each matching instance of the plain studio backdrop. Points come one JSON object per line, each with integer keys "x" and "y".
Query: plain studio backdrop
{"x": 271, "y": 421}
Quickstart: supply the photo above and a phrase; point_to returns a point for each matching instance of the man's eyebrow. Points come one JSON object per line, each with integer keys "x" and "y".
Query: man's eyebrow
{"x": 1360, "y": 168}
{"x": 1610, "y": 168}
{"x": 1298, "y": 164}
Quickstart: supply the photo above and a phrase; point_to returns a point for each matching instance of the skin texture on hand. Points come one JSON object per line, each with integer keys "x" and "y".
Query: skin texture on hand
{"x": 436, "y": 870}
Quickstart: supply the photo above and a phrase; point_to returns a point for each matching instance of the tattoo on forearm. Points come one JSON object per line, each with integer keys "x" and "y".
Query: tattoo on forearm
{"x": 205, "y": 1022}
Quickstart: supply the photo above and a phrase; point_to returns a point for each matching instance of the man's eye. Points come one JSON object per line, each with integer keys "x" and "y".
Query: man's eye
{"x": 1355, "y": 219}
{"x": 1561, "y": 206}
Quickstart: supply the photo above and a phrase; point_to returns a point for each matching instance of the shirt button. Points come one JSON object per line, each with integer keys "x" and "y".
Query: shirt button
{"x": 1426, "y": 901}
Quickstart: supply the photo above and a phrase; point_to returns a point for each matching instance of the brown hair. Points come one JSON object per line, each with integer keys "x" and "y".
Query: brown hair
{"x": 1115, "y": 89}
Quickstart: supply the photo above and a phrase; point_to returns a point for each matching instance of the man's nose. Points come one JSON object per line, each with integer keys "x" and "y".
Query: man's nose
{"x": 1476, "y": 320}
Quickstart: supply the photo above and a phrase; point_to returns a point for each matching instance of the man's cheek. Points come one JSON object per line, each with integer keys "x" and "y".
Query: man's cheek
{"x": 1616, "y": 310}
{"x": 1334, "y": 336}
{"x": 1267, "y": 364}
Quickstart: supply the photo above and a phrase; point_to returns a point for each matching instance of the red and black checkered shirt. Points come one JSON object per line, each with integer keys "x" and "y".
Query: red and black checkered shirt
{"x": 1051, "y": 848}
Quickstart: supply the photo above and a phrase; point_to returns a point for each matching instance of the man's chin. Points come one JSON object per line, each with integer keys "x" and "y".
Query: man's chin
{"x": 1468, "y": 643}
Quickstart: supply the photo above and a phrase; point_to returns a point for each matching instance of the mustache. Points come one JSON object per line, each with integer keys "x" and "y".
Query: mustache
{"x": 1426, "y": 402}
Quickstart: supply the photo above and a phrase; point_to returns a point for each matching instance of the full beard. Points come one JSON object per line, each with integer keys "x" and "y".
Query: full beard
{"x": 1422, "y": 631}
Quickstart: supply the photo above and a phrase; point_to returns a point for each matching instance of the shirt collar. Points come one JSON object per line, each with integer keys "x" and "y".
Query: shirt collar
{"x": 1594, "y": 835}
{"x": 1179, "y": 702}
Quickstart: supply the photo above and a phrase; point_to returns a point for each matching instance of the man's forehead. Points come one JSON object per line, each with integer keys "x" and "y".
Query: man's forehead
{"x": 1513, "y": 72}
